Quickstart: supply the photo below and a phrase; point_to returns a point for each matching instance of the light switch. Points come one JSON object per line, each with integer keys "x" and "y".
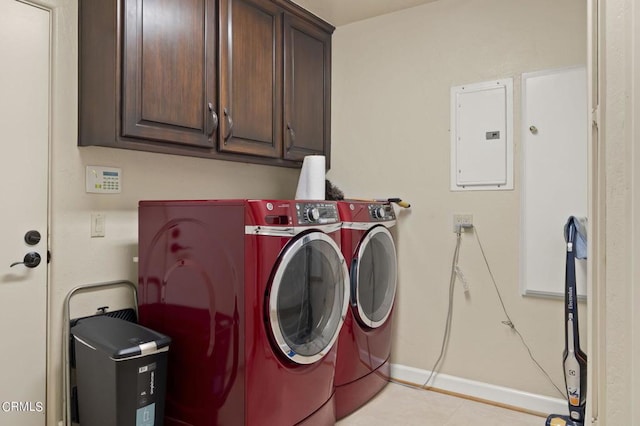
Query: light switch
{"x": 98, "y": 225}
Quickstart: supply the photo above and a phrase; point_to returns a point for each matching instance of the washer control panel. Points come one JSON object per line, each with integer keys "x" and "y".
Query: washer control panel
{"x": 381, "y": 212}
{"x": 316, "y": 213}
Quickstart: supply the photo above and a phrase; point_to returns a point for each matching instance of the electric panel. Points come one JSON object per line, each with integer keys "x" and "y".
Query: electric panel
{"x": 481, "y": 136}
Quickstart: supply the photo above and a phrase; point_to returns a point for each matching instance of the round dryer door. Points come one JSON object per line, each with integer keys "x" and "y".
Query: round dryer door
{"x": 309, "y": 297}
{"x": 373, "y": 277}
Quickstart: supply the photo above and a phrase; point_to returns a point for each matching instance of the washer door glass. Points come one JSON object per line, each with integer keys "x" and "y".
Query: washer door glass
{"x": 374, "y": 273}
{"x": 309, "y": 297}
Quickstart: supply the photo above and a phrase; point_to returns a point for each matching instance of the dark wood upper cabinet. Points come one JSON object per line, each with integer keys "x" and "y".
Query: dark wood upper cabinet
{"x": 148, "y": 75}
{"x": 251, "y": 77}
{"x": 169, "y": 71}
{"x": 307, "y": 89}
{"x": 241, "y": 80}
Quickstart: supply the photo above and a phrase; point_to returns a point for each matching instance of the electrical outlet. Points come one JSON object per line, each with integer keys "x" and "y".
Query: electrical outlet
{"x": 462, "y": 221}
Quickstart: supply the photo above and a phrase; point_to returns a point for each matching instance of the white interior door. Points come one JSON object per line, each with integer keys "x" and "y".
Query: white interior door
{"x": 24, "y": 136}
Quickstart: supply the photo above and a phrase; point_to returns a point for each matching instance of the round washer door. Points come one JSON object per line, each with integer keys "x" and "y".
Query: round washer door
{"x": 309, "y": 297}
{"x": 373, "y": 277}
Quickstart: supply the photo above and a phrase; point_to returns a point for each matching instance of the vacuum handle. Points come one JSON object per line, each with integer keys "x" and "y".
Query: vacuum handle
{"x": 571, "y": 236}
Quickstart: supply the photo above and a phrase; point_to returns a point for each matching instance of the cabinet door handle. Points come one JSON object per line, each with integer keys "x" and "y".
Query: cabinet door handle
{"x": 229, "y": 124}
{"x": 292, "y": 133}
{"x": 213, "y": 123}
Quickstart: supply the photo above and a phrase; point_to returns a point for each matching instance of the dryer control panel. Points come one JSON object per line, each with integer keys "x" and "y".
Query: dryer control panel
{"x": 320, "y": 212}
{"x": 381, "y": 212}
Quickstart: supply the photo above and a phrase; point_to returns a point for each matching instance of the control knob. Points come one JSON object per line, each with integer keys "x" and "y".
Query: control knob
{"x": 379, "y": 213}
{"x": 312, "y": 214}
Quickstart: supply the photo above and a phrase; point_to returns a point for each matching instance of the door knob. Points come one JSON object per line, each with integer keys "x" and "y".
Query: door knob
{"x": 32, "y": 238}
{"x": 31, "y": 260}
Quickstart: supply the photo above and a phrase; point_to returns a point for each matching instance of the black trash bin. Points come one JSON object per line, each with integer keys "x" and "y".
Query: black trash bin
{"x": 121, "y": 372}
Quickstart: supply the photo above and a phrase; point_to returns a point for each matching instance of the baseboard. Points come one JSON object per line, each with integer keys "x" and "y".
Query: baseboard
{"x": 533, "y": 403}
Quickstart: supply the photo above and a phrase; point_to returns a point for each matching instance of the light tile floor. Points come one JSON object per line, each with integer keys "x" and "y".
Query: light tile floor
{"x": 401, "y": 405}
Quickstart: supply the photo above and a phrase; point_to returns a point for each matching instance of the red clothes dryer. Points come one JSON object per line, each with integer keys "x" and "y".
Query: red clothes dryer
{"x": 364, "y": 345}
{"x": 253, "y": 295}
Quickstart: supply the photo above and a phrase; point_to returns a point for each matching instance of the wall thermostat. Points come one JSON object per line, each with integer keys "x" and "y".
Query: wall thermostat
{"x": 103, "y": 180}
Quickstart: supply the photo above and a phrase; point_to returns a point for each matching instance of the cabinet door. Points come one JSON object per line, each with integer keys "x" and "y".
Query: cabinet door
{"x": 307, "y": 89}
{"x": 169, "y": 71}
{"x": 251, "y": 76}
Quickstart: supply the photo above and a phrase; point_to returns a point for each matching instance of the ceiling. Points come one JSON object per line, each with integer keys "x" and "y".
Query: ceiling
{"x": 342, "y": 12}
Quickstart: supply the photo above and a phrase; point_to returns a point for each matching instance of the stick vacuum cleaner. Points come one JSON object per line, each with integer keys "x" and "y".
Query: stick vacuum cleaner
{"x": 574, "y": 360}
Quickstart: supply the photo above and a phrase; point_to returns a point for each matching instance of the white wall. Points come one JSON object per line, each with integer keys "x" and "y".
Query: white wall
{"x": 635, "y": 195}
{"x": 391, "y": 82}
{"x": 635, "y": 213}
{"x": 79, "y": 259}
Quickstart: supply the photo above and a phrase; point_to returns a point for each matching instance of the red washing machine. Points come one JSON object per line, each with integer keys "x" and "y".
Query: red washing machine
{"x": 364, "y": 345}
{"x": 253, "y": 294}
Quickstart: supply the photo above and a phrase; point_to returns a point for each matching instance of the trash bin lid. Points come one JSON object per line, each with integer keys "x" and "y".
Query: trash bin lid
{"x": 118, "y": 338}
